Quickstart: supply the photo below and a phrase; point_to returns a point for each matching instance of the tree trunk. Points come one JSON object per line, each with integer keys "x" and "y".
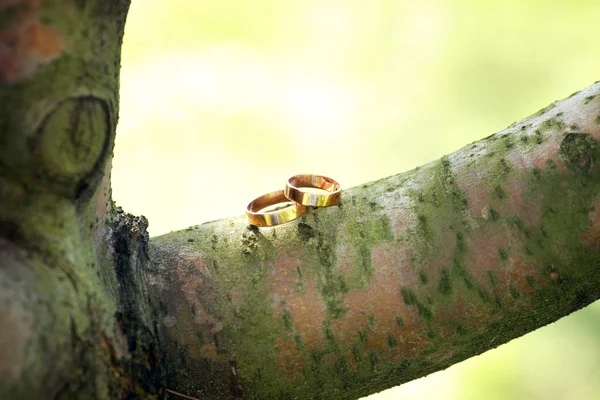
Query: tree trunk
{"x": 409, "y": 275}
{"x": 75, "y": 318}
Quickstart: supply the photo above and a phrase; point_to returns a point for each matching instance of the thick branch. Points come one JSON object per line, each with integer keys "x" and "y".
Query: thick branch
{"x": 412, "y": 274}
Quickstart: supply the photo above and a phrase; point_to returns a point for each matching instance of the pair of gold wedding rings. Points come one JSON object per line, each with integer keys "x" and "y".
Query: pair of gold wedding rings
{"x": 295, "y": 192}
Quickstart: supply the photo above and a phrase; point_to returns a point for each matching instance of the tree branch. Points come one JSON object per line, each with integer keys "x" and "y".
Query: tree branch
{"x": 411, "y": 274}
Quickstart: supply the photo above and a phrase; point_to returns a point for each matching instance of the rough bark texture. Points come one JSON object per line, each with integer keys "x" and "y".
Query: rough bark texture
{"x": 409, "y": 275}
{"x": 74, "y": 319}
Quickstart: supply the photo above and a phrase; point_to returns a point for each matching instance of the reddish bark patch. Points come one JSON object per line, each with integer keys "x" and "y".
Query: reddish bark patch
{"x": 308, "y": 314}
{"x": 524, "y": 276}
{"x": 198, "y": 267}
{"x": 439, "y": 257}
{"x": 188, "y": 308}
{"x": 546, "y": 151}
{"x": 476, "y": 188}
{"x": 516, "y": 201}
{"x": 402, "y": 222}
{"x": 375, "y": 309}
{"x": 26, "y": 44}
{"x": 195, "y": 282}
{"x": 517, "y": 160}
{"x": 346, "y": 263}
{"x": 485, "y": 255}
{"x": 285, "y": 276}
{"x": 289, "y": 360}
{"x": 507, "y": 278}
{"x": 303, "y": 300}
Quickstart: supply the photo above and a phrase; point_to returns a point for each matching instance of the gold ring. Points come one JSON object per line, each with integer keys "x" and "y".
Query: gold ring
{"x": 275, "y": 217}
{"x": 294, "y": 191}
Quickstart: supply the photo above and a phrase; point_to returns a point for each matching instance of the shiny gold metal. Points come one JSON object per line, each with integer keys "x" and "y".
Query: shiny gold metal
{"x": 275, "y": 217}
{"x": 294, "y": 190}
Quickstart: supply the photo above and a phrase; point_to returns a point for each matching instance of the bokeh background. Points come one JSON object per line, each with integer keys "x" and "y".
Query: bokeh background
{"x": 223, "y": 100}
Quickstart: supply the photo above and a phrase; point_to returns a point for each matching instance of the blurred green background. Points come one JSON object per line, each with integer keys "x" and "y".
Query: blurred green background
{"x": 222, "y": 100}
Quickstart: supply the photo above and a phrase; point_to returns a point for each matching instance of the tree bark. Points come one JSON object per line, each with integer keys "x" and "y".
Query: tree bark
{"x": 75, "y": 321}
{"x": 409, "y": 275}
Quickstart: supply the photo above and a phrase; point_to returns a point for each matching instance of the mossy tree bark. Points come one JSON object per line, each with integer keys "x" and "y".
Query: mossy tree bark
{"x": 411, "y": 274}
{"x": 75, "y": 320}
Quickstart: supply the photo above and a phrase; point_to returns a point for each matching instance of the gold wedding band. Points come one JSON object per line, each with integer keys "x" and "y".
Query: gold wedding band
{"x": 294, "y": 191}
{"x": 276, "y": 217}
